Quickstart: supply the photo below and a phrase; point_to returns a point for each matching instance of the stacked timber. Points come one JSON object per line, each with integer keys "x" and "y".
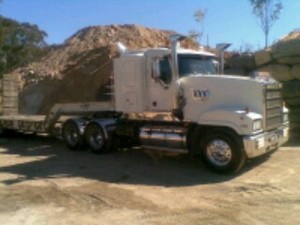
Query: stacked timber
{"x": 282, "y": 61}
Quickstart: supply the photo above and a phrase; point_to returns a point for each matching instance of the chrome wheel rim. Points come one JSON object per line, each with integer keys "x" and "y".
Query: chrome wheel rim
{"x": 219, "y": 152}
{"x": 71, "y": 134}
{"x": 96, "y": 140}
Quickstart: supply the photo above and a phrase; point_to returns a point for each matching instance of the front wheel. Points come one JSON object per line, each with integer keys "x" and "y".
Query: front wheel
{"x": 222, "y": 153}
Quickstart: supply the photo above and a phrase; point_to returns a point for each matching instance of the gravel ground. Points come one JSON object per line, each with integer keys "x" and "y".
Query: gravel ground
{"x": 43, "y": 183}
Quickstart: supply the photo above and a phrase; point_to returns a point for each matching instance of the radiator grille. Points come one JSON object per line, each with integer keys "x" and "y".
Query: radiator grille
{"x": 274, "y": 103}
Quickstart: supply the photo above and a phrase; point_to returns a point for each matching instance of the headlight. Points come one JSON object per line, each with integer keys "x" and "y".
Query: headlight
{"x": 257, "y": 125}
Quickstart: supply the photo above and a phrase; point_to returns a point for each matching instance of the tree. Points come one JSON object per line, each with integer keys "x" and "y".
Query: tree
{"x": 267, "y": 12}
{"x": 20, "y": 43}
{"x": 199, "y": 16}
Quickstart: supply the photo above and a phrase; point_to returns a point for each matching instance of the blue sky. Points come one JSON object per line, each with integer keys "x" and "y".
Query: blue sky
{"x": 226, "y": 20}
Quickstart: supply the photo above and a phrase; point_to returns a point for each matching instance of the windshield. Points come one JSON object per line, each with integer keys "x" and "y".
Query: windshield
{"x": 196, "y": 64}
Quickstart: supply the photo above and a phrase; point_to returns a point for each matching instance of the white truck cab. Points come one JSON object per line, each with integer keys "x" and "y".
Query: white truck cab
{"x": 213, "y": 112}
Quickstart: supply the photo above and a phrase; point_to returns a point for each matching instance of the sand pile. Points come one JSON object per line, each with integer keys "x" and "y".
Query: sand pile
{"x": 78, "y": 70}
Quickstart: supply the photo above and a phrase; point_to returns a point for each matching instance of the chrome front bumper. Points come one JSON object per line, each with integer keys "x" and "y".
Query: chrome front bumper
{"x": 264, "y": 142}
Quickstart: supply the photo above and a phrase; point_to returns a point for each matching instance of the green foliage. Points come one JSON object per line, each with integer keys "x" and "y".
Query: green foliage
{"x": 267, "y": 12}
{"x": 20, "y": 44}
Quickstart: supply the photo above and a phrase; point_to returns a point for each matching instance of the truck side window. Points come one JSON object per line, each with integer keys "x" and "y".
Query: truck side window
{"x": 165, "y": 70}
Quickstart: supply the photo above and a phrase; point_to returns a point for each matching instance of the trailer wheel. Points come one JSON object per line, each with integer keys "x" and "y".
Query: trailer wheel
{"x": 72, "y": 136}
{"x": 95, "y": 138}
{"x": 222, "y": 153}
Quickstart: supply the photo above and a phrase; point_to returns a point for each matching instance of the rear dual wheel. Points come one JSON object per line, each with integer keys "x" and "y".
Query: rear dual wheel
{"x": 72, "y": 135}
{"x": 96, "y": 139}
{"x": 92, "y": 135}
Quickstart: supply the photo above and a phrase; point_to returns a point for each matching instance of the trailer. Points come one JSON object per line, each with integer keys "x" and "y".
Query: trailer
{"x": 174, "y": 100}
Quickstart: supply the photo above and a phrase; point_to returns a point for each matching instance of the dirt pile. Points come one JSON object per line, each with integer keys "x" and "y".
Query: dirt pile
{"x": 78, "y": 70}
{"x": 282, "y": 60}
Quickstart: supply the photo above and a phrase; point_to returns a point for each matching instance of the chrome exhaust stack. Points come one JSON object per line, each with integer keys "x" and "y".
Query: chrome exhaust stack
{"x": 221, "y": 48}
{"x": 175, "y": 39}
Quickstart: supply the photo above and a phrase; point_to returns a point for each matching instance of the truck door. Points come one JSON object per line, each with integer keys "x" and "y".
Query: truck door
{"x": 161, "y": 84}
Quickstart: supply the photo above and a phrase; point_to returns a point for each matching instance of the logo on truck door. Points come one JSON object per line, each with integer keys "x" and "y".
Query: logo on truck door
{"x": 201, "y": 94}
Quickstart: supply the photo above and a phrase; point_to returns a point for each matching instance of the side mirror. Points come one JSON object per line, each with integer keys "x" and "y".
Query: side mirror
{"x": 217, "y": 66}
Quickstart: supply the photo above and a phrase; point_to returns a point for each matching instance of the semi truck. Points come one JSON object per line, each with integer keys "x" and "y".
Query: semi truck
{"x": 172, "y": 100}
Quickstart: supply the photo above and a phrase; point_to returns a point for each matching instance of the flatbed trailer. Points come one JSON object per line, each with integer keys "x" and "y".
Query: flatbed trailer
{"x": 52, "y": 122}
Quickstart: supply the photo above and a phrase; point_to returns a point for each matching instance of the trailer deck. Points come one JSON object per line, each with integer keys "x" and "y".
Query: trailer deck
{"x": 58, "y": 114}
{"x": 24, "y": 123}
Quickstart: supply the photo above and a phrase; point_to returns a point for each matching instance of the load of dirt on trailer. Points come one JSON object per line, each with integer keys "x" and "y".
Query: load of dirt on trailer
{"x": 282, "y": 61}
{"x": 80, "y": 69}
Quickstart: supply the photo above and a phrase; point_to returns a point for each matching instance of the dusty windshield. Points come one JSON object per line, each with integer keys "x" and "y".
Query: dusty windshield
{"x": 196, "y": 64}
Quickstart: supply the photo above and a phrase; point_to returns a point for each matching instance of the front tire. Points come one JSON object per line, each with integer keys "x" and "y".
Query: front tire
{"x": 222, "y": 152}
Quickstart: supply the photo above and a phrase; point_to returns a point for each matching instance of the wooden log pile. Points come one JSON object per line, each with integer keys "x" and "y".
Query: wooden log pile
{"x": 282, "y": 61}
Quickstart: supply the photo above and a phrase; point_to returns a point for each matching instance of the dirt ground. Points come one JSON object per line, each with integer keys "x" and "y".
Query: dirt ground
{"x": 42, "y": 183}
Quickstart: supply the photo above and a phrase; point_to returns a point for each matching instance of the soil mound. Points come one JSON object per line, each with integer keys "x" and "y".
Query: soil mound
{"x": 78, "y": 70}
